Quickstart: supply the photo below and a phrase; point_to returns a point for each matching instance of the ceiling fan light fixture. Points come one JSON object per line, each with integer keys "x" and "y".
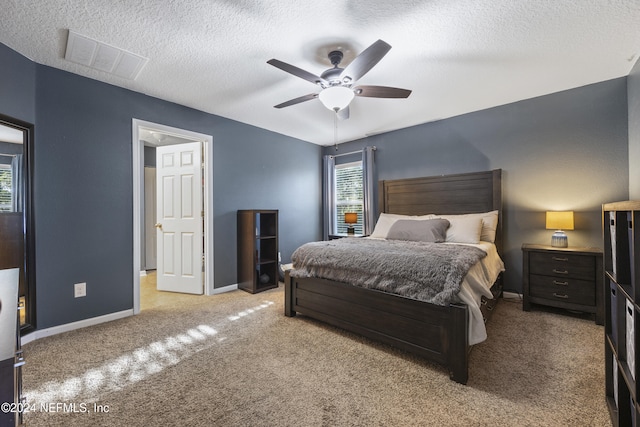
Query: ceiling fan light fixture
{"x": 335, "y": 98}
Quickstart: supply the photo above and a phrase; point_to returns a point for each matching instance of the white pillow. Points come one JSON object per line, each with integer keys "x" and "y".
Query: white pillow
{"x": 489, "y": 226}
{"x": 386, "y": 220}
{"x": 463, "y": 229}
{"x": 489, "y": 223}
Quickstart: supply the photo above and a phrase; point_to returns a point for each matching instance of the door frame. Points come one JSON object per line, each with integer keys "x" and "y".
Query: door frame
{"x": 138, "y": 186}
{"x": 28, "y": 218}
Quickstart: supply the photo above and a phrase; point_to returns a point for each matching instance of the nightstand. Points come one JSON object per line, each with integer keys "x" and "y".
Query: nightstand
{"x": 569, "y": 278}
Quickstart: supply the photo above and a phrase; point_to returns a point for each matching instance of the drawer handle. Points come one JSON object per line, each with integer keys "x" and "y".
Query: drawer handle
{"x": 555, "y": 258}
{"x": 555, "y": 282}
{"x": 560, "y": 296}
{"x": 560, "y": 271}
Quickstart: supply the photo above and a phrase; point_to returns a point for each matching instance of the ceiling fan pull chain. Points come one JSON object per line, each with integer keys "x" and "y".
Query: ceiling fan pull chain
{"x": 335, "y": 130}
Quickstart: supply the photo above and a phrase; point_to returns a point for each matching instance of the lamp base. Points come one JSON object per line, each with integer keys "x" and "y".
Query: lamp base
{"x": 351, "y": 230}
{"x": 559, "y": 239}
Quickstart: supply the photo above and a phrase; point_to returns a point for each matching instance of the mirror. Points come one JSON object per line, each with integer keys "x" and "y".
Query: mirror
{"x": 16, "y": 240}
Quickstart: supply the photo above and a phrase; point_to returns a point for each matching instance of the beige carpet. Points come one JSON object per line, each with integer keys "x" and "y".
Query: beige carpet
{"x": 235, "y": 360}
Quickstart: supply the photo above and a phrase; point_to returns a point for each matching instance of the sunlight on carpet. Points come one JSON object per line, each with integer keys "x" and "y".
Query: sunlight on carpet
{"x": 138, "y": 364}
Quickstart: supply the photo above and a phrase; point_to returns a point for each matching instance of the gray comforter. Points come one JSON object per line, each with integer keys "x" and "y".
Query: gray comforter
{"x": 431, "y": 272}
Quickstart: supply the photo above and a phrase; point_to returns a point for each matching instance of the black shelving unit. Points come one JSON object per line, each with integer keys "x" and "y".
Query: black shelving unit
{"x": 621, "y": 238}
{"x": 257, "y": 250}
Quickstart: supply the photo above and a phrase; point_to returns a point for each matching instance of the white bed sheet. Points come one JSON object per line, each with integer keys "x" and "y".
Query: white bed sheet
{"x": 476, "y": 284}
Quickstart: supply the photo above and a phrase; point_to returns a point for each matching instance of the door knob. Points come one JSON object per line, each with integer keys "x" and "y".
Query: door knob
{"x": 158, "y": 225}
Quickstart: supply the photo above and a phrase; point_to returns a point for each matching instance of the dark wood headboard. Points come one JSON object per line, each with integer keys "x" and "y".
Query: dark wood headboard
{"x": 446, "y": 194}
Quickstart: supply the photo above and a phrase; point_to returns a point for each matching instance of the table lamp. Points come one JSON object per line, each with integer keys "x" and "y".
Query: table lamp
{"x": 350, "y": 218}
{"x": 559, "y": 221}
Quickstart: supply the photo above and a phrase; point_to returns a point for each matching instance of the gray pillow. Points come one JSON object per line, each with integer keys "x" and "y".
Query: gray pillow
{"x": 426, "y": 230}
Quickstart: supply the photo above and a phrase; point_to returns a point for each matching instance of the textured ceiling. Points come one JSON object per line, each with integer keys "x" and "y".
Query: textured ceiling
{"x": 456, "y": 56}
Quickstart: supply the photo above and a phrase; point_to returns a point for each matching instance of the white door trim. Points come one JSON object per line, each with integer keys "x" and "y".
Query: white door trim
{"x": 138, "y": 183}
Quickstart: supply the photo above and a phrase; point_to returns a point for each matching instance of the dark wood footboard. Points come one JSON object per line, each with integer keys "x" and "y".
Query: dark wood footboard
{"x": 437, "y": 333}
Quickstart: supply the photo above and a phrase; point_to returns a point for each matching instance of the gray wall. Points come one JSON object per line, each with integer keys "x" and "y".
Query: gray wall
{"x": 149, "y": 156}
{"x": 17, "y": 88}
{"x": 633, "y": 90}
{"x": 83, "y": 185}
{"x": 564, "y": 151}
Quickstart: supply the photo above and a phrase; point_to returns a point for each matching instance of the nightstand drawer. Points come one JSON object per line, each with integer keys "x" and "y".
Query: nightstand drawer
{"x": 562, "y": 265}
{"x": 566, "y": 290}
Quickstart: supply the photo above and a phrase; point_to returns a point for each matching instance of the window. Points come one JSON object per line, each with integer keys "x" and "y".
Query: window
{"x": 349, "y": 195}
{"x": 348, "y": 187}
{"x": 5, "y": 188}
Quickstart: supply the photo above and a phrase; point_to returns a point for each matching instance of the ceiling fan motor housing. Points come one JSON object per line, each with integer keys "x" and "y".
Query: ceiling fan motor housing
{"x": 332, "y": 75}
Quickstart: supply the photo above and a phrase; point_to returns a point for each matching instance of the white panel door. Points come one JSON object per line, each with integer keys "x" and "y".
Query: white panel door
{"x": 179, "y": 221}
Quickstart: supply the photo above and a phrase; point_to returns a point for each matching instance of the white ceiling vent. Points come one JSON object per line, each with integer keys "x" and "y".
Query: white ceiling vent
{"x": 101, "y": 56}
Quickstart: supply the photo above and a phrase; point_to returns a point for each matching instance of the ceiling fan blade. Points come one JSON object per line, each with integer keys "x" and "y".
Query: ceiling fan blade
{"x": 343, "y": 114}
{"x": 381, "y": 92}
{"x": 297, "y": 100}
{"x": 298, "y": 72}
{"x": 367, "y": 59}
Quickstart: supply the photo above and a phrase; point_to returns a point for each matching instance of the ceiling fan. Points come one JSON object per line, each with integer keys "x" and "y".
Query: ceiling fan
{"x": 337, "y": 83}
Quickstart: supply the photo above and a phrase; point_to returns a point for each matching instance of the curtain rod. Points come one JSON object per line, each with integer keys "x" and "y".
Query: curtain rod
{"x": 352, "y": 152}
{"x": 8, "y": 155}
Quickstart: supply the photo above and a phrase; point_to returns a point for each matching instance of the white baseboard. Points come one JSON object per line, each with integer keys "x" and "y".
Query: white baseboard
{"x": 41, "y": 333}
{"x": 511, "y": 295}
{"x": 224, "y": 289}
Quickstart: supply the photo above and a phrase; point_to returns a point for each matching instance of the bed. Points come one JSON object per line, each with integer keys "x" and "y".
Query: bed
{"x": 439, "y": 333}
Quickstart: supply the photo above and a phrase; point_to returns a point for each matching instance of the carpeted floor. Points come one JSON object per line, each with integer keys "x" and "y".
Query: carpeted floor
{"x": 235, "y": 360}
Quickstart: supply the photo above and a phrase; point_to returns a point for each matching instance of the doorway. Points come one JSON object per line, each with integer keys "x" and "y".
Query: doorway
{"x": 147, "y": 134}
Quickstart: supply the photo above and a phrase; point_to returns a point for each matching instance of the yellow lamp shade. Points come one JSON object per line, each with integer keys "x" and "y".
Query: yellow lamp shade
{"x": 559, "y": 220}
{"x": 350, "y": 217}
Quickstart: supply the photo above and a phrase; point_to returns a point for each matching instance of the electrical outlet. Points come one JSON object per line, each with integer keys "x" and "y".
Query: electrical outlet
{"x": 279, "y": 257}
{"x": 80, "y": 290}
